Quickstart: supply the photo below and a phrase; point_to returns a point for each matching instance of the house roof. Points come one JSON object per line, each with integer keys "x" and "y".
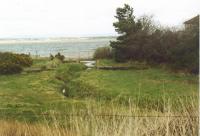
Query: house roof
{"x": 194, "y": 20}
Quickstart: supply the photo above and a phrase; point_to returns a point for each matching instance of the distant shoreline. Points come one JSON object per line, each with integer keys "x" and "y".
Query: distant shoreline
{"x": 46, "y": 40}
{"x": 83, "y": 47}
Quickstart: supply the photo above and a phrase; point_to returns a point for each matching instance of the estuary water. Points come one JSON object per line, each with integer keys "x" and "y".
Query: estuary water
{"x": 70, "y": 47}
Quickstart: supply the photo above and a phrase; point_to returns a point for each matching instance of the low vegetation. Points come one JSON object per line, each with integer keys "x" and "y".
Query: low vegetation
{"x": 19, "y": 59}
{"x": 142, "y": 40}
{"x": 103, "y": 53}
{"x": 109, "y": 120}
{"x": 11, "y": 63}
{"x": 146, "y": 87}
{"x": 10, "y": 68}
{"x": 57, "y": 56}
{"x": 106, "y": 102}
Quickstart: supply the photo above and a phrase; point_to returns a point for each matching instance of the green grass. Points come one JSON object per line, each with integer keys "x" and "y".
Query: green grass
{"x": 149, "y": 87}
{"x": 32, "y": 93}
{"x": 111, "y": 62}
{"x": 154, "y": 82}
{"x": 35, "y": 93}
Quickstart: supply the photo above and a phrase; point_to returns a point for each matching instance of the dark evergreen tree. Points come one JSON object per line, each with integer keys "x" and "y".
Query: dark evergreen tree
{"x": 140, "y": 40}
{"x": 128, "y": 29}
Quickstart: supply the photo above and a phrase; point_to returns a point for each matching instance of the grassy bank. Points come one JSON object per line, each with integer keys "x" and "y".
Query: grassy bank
{"x": 149, "y": 101}
{"x": 148, "y": 87}
{"x": 24, "y": 96}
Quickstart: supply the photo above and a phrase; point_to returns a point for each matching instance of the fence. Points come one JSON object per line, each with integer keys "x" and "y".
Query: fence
{"x": 68, "y": 55}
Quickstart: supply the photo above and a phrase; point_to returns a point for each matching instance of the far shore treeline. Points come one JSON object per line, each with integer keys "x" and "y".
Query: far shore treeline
{"x": 142, "y": 40}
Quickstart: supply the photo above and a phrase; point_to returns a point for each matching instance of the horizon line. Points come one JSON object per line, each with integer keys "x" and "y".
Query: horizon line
{"x": 54, "y": 37}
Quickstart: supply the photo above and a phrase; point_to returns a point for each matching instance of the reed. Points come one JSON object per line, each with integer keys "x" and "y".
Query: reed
{"x": 111, "y": 120}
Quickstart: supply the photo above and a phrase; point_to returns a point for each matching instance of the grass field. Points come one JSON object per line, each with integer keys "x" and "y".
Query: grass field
{"x": 152, "y": 82}
{"x": 32, "y": 93}
{"x": 89, "y": 93}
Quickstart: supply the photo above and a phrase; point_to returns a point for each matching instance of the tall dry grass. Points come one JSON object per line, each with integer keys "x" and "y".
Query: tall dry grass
{"x": 125, "y": 121}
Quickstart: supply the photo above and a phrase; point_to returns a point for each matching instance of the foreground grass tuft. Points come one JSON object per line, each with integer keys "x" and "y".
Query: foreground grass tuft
{"x": 109, "y": 120}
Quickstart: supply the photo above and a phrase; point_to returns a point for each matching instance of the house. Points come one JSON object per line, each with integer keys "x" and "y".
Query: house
{"x": 192, "y": 23}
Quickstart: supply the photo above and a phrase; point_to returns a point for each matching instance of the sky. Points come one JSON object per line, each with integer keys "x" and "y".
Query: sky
{"x": 77, "y": 18}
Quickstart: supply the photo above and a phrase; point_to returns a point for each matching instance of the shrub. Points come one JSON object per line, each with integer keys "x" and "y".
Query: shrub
{"x": 54, "y": 63}
{"x": 21, "y": 59}
{"x": 43, "y": 68}
{"x": 51, "y": 57}
{"x": 185, "y": 55}
{"x": 60, "y": 57}
{"x": 103, "y": 53}
{"x": 67, "y": 72}
{"x": 11, "y": 63}
{"x": 141, "y": 40}
{"x": 24, "y": 60}
{"x": 9, "y": 68}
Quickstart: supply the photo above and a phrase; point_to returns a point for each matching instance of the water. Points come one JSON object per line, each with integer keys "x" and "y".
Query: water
{"x": 71, "y": 48}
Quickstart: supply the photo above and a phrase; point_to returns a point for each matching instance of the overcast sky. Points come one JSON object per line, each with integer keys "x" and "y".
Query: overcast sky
{"x": 70, "y": 18}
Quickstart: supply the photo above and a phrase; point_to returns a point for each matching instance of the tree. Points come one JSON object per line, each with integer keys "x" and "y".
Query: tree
{"x": 141, "y": 40}
{"x": 130, "y": 31}
{"x": 185, "y": 55}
